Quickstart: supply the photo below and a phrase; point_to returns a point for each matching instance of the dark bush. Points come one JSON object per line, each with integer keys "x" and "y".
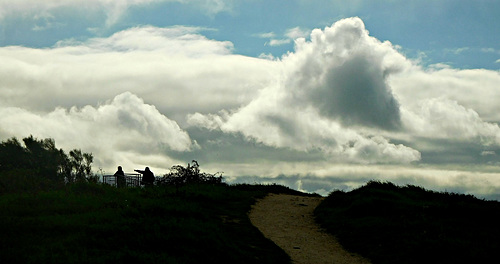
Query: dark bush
{"x": 408, "y": 224}
{"x": 191, "y": 174}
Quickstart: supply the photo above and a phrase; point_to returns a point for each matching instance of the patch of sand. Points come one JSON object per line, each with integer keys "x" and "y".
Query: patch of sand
{"x": 288, "y": 221}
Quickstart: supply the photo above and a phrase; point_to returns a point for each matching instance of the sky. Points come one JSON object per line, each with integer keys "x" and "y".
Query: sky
{"x": 317, "y": 95}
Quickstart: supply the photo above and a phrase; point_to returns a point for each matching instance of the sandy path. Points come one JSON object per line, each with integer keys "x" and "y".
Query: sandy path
{"x": 288, "y": 221}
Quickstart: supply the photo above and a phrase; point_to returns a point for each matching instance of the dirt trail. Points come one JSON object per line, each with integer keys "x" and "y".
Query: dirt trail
{"x": 288, "y": 221}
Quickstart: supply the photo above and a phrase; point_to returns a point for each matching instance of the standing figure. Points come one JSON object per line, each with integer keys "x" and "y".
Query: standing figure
{"x": 120, "y": 178}
{"x": 148, "y": 177}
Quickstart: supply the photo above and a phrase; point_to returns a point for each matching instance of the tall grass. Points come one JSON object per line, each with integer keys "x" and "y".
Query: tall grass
{"x": 90, "y": 223}
{"x": 408, "y": 224}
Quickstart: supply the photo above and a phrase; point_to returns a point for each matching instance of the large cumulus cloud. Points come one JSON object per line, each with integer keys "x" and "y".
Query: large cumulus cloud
{"x": 343, "y": 72}
{"x": 330, "y": 89}
{"x": 124, "y": 130}
{"x": 349, "y": 95}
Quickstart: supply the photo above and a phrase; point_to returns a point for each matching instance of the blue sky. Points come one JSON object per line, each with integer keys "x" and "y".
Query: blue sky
{"x": 314, "y": 94}
{"x": 460, "y": 33}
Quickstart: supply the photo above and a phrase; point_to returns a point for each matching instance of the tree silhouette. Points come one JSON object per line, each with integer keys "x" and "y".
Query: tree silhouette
{"x": 12, "y": 155}
{"x": 44, "y": 158}
{"x": 80, "y": 165}
{"x": 41, "y": 158}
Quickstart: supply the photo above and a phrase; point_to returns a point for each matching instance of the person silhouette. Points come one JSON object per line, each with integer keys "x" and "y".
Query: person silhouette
{"x": 120, "y": 178}
{"x": 148, "y": 177}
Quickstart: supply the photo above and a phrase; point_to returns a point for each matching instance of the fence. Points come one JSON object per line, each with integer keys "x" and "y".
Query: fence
{"x": 131, "y": 180}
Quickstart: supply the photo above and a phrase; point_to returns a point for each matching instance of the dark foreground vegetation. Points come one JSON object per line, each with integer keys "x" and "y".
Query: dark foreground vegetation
{"x": 54, "y": 210}
{"x": 394, "y": 224}
{"x": 37, "y": 164}
{"x": 94, "y": 223}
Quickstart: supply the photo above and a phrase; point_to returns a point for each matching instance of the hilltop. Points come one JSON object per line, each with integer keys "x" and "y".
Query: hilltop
{"x": 409, "y": 224}
{"x": 207, "y": 223}
{"x": 95, "y": 223}
{"x": 53, "y": 209}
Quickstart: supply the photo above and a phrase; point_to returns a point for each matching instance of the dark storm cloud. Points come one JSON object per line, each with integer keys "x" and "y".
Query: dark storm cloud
{"x": 356, "y": 92}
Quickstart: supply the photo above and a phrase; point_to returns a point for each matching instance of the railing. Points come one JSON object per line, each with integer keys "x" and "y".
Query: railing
{"x": 131, "y": 180}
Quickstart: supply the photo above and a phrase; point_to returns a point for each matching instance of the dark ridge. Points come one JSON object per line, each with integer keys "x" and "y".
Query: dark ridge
{"x": 409, "y": 224}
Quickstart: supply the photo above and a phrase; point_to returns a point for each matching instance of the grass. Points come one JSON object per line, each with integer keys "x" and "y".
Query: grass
{"x": 201, "y": 223}
{"x": 90, "y": 223}
{"x": 393, "y": 224}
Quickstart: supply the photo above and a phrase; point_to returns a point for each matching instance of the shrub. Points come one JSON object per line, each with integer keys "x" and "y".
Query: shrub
{"x": 191, "y": 174}
{"x": 408, "y": 224}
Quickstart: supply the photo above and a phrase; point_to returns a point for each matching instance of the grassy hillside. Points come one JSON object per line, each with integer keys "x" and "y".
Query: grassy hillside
{"x": 90, "y": 223}
{"x": 394, "y": 224}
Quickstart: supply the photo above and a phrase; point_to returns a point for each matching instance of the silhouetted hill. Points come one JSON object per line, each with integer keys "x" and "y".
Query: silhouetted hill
{"x": 408, "y": 224}
{"x": 95, "y": 223}
{"x": 208, "y": 223}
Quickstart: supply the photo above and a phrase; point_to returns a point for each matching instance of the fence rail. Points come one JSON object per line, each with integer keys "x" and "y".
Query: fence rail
{"x": 131, "y": 180}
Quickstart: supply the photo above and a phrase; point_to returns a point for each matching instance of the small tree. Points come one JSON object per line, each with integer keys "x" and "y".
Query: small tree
{"x": 42, "y": 159}
{"x": 77, "y": 167}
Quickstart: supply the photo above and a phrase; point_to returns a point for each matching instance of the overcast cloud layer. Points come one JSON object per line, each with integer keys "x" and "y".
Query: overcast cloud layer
{"x": 340, "y": 109}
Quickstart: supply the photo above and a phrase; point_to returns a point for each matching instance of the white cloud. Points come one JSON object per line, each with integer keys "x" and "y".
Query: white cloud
{"x": 176, "y": 69}
{"x": 341, "y": 96}
{"x": 488, "y": 153}
{"x": 279, "y": 42}
{"x": 267, "y": 56}
{"x": 290, "y": 35}
{"x": 210, "y": 121}
{"x": 118, "y": 131}
{"x": 297, "y": 32}
{"x": 296, "y": 112}
{"x": 172, "y": 40}
{"x": 490, "y": 50}
{"x": 475, "y": 89}
{"x": 266, "y": 35}
{"x": 457, "y": 51}
{"x": 446, "y": 119}
{"x": 346, "y": 93}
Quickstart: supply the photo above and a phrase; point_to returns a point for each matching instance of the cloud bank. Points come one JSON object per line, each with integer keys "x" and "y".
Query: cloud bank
{"x": 342, "y": 99}
{"x": 336, "y": 93}
{"x": 176, "y": 69}
{"x": 123, "y": 130}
